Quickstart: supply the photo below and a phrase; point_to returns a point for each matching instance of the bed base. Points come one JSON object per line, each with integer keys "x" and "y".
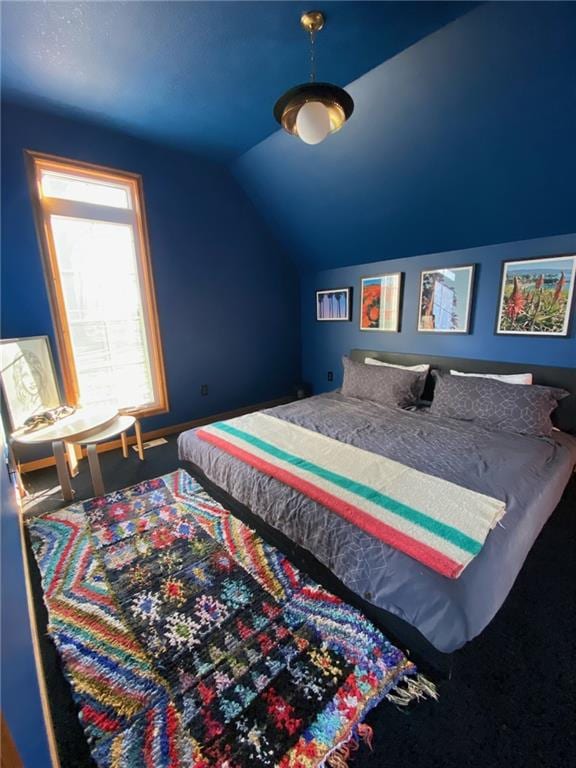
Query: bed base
{"x": 428, "y": 658}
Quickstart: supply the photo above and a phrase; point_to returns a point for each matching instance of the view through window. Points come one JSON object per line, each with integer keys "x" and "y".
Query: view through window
{"x": 92, "y": 233}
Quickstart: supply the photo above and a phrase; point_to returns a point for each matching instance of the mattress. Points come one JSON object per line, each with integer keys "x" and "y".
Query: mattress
{"x": 528, "y": 473}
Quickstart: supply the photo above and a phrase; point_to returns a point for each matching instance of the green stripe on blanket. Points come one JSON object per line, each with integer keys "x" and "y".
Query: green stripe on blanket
{"x": 433, "y": 520}
{"x": 438, "y": 528}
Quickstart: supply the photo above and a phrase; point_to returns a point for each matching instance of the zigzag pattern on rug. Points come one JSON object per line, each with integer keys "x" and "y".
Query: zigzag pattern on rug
{"x": 189, "y": 641}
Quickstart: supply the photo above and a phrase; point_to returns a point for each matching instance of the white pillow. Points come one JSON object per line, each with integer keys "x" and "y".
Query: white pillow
{"x": 509, "y": 378}
{"x": 416, "y": 368}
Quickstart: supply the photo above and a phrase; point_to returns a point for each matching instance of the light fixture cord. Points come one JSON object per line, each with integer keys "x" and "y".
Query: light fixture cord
{"x": 312, "y": 56}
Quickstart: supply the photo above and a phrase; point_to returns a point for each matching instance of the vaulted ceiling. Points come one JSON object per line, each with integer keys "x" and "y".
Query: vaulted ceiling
{"x": 199, "y": 75}
{"x": 466, "y": 138}
{"x": 463, "y": 132}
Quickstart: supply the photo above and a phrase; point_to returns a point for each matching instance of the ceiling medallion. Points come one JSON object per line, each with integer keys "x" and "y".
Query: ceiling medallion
{"x": 313, "y": 110}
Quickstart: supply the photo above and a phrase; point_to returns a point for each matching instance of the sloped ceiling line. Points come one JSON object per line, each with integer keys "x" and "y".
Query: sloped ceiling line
{"x": 201, "y": 76}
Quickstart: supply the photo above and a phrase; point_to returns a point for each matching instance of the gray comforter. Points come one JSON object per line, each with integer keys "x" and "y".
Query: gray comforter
{"x": 529, "y": 474}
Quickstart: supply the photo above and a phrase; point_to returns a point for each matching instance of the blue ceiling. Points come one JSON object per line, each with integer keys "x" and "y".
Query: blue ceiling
{"x": 465, "y": 139}
{"x": 199, "y": 75}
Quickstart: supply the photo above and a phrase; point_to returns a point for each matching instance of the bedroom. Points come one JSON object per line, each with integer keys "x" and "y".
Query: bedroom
{"x": 202, "y": 289}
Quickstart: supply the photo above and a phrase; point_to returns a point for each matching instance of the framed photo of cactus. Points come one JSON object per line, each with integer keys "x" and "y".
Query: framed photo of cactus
{"x": 333, "y": 304}
{"x": 536, "y": 296}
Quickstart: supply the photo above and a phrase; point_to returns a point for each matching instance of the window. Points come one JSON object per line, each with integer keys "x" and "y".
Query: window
{"x": 92, "y": 232}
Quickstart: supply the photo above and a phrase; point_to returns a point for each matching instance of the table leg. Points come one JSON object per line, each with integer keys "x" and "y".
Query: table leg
{"x": 72, "y": 453}
{"x": 138, "y": 430}
{"x": 95, "y": 471}
{"x": 62, "y": 469}
{"x": 124, "y": 445}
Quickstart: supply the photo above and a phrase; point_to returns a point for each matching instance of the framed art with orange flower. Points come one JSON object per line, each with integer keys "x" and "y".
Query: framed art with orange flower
{"x": 536, "y": 296}
{"x": 380, "y": 302}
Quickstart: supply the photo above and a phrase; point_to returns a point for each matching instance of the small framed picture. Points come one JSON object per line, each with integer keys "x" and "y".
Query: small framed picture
{"x": 380, "y": 302}
{"x": 28, "y": 379}
{"x": 446, "y": 299}
{"x": 536, "y": 296}
{"x": 333, "y": 304}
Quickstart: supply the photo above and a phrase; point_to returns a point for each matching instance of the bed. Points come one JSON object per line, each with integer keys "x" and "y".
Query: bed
{"x": 529, "y": 473}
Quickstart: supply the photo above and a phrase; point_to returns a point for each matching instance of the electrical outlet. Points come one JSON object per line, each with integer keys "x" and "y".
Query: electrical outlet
{"x": 330, "y": 376}
{"x": 204, "y": 389}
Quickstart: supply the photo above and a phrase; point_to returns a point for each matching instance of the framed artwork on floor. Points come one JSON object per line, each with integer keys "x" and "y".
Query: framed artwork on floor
{"x": 536, "y": 296}
{"x": 446, "y": 299}
{"x": 380, "y": 300}
{"x": 28, "y": 379}
{"x": 333, "y": 304}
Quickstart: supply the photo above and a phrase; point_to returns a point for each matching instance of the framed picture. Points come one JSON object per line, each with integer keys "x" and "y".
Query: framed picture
{"x": 536, "y": 296}
{"x": 446, "y": 299}
{"x": 333, "y": 304}
{"x": 28, "y": 379}
{"x": 380, "y": 299}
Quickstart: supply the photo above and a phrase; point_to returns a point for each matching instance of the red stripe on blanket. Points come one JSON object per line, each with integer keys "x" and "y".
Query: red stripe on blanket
{"x": 380, "y": 530}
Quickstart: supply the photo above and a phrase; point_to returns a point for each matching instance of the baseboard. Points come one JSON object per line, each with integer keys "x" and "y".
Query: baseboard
{"x": 49, "y": 461}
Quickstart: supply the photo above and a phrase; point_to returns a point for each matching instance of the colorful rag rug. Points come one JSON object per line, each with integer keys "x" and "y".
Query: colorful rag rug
{"x": 188, "y": 641}
{"x": 438, "y": 523}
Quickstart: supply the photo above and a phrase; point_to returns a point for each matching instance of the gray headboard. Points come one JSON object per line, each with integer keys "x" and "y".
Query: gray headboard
{"x": 549, "y": 376}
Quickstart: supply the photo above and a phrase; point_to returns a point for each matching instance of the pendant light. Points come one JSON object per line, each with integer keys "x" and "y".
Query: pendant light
{"x": 313, "y": 110}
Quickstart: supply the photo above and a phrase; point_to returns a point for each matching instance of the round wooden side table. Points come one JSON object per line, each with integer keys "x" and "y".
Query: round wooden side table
{"x": 83, "y": 421}
{"x": 86, "y": 426}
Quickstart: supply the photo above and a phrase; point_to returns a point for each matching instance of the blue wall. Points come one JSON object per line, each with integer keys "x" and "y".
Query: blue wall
{"x": 19, "y": 690}
{"x": 325, "y": 343}
{"x": 466, "y": 138}
{"x": 227, "y": 295}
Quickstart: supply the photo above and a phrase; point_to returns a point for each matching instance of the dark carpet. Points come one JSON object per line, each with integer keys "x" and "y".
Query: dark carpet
{"x": 511, "y": 700}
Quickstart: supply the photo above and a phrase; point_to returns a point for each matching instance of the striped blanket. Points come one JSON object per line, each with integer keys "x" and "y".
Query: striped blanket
{"x": 438, "y": 523}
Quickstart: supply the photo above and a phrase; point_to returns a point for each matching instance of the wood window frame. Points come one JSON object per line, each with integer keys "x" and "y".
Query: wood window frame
{"x": 43, "y": 207}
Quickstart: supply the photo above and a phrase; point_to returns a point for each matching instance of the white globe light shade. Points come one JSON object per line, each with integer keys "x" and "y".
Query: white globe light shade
{"x": 313, "y": 122}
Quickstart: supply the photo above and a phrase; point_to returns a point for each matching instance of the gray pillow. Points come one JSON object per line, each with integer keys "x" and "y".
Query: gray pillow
{"x": 520, "y": 408}
{"x": 388, "y": 386}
